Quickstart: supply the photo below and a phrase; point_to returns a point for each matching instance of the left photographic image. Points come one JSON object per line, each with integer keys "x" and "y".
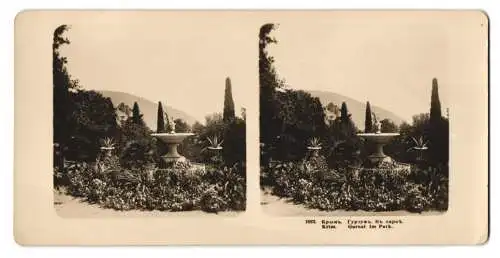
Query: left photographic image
{"x": 148, "y": 120}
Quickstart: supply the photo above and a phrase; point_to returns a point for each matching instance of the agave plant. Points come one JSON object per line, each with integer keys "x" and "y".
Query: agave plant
{"x": 315, "y": 143}
{"x": 420, "y": 146}
{"x": 108, "y": 143}
{"x": 215, "y": 143}
{"x": 105, "y": 162}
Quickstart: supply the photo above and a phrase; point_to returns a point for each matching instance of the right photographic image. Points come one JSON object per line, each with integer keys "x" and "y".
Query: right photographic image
{"x": 354, "y": 113}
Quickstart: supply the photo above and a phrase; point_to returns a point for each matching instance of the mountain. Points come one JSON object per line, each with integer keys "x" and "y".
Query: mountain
{"x": 148, "y": 108}
{"x": 356, "y": 108}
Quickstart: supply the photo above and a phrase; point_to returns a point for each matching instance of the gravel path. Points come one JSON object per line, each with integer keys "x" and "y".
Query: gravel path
{"x": 69, "y": 207}
{"x": 276, "y": 206}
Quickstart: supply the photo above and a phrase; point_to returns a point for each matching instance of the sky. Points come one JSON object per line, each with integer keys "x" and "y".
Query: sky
{"x": 170, "y": 57}
{"x": 387, "y": 58}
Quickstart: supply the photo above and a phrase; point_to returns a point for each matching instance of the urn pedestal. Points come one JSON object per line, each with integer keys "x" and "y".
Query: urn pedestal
{"x": 172, "y": 140}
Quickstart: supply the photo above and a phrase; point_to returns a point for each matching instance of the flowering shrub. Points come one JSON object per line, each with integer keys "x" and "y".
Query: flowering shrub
{"x": 180, "y": 188}
{"x": 211, "y": 201}
{"x": 80, "y": 177}
{"x": 391, "y": 187}
{"x": 182, "y": 165}
{"x": 230, "y": 184}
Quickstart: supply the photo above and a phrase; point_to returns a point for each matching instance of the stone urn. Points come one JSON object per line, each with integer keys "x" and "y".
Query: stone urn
{"x": 107, "y": 151}
{"x": 172, "y": 140}
{"x": 314, "y": 150}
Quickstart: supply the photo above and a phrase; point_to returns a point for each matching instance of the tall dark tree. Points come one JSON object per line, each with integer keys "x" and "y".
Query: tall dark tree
{"x": 344, "y": 114}
{"x": 368, "y": 118}
{"x": 435, "y": 114}
{"x": 268, "y": 82}
{"x": 136, "y": 114}
{"x": 160, "y": 123}
{"x": 228, "y": 114}
{"x": 438, "y": 129}
{"x": 62, "y": 84}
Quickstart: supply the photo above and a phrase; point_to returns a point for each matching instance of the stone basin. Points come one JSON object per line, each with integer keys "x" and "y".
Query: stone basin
{"x": 379, "y": 139}
{"x": 172, "y": 140}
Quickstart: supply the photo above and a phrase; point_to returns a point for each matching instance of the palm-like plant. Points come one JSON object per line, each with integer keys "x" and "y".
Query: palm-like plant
{"x": 420, "y": 146}
{"x": 215, "y": 146}
{"x": 105, "y": 161}
{"x": 315, "y": 143}
{"x": 108, "y": 144}
{"x": 215, "y": 143}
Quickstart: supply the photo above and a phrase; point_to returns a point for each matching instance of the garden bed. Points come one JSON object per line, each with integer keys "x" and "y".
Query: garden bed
{"x": 181, "y": 188}
{"x": 316, "y": 186}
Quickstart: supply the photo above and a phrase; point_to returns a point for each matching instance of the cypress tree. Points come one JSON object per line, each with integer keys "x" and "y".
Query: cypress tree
{"x": 343, "y": 112}
{"x": 136, "y": 114}
{"x": 438, "y": 129}
{"x": 368, "y": 118}
{"x": 166, "y": 120}
{"x": 435, "y": 115}
{"x": 160, "y": 126}
{"x": 228, "y": 114}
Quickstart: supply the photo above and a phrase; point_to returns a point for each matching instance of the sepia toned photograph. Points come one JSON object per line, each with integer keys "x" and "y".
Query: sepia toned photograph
{"x": 354, "y": 117}
{"x": 247, "y": 127}
{"x": 137, "y": 132}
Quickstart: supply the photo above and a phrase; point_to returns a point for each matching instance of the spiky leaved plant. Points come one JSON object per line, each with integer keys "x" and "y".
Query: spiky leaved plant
{"x": 108, "y": 143}
{"x": 420, "y": 146}
{"x": 314, "y": 147}
{"x": 215, "y": 143}
{"x": 106, "y": 162}
{"x": 315, "y": 142}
